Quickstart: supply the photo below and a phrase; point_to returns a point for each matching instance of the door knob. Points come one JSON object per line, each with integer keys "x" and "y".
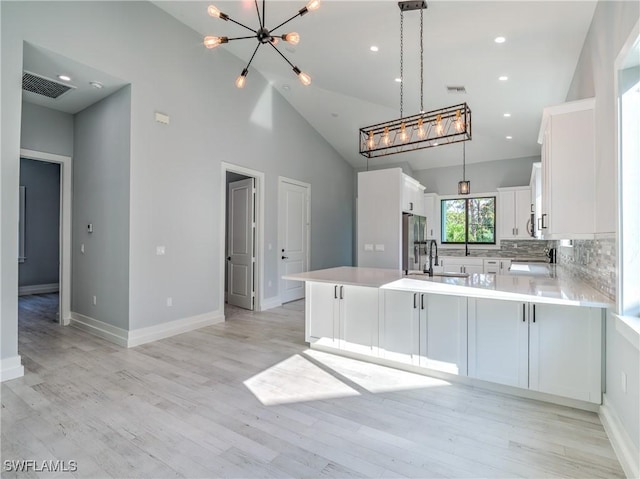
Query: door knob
{"x": 285, "y": 257}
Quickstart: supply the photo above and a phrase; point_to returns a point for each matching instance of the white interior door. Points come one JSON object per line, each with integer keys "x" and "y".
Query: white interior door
{"x": 241, "y": 253}
{"x": 293, "y": 236}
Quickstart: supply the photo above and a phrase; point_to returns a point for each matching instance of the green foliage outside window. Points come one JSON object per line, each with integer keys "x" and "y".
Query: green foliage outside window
{"x": 481, "y": 227}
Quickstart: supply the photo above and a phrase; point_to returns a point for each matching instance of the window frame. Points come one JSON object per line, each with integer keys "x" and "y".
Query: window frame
{"x": 466, "y": 220}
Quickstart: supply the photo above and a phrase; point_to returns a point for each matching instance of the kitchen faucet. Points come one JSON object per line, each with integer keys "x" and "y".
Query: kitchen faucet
{"x": 432, "y": 243}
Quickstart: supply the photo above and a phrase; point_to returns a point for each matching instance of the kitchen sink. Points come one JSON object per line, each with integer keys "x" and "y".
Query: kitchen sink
{"x": 446, "y": 275}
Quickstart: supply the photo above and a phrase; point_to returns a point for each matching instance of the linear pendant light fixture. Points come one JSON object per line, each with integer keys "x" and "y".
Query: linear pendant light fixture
{"x": 423, "y": 130}
{"x": 264, "y": 36}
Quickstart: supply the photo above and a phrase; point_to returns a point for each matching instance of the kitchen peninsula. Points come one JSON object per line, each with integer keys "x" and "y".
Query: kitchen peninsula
{"x": 538, "y": 336}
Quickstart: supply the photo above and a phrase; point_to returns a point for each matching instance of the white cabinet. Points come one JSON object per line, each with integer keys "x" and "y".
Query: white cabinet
{"x": 426, "y": 330}
{"x": 543, "y": 347}
{"x": 568, "y": 171}
{"x": 463, "y": 265}
{"x": 342, "y": 316}
{"x": 514, "y": 213}
{"x": 536, "y": 198}
{"x": 496, "y": 266}
{"x": 432, "y": 212}
{"x": 498, "y": 341}
{"x": 565, "y": 351}
{"x": 412, "y": 196}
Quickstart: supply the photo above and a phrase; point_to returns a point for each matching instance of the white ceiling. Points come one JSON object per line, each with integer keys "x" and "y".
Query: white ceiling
{"x": 353, "y": 87}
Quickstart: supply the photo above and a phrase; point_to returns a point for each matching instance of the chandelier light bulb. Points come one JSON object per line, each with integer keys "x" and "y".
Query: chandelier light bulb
{"x": 403, "y": 133}
{"x": 213, "y": 11}
{"x": 293, "y": 38}
{"x": 439, "y": 126}
{"x": 421, "y": 132}
{"x": 459, "y": 124}
{"x": 313, "y": 5}
{"x": 370, "y": 141}
{"x": 385, "y": 136}
{"x": 212, "y": 42}
{"x": 304, "y": 78}
{"x": 242, "y": 79}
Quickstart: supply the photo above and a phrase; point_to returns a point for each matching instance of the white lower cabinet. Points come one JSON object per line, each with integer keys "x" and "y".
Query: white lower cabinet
{"x": 498, "y": 341}
{"x": 342, "y": 316}
{"x": 565, "y": 351}
{"x": 427, "y": 330}
{"x": 548, "y": 348}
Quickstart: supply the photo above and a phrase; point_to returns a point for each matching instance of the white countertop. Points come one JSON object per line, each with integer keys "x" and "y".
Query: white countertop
{"x": 541, "y": 289}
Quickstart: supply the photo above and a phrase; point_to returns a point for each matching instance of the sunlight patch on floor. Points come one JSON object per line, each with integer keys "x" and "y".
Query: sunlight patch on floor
{"x": 296, "y": 379}
{"x": 374, "y": 377}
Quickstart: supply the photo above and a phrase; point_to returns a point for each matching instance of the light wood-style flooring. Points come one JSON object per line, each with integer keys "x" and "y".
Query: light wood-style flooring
{"x": 248, "y": 399}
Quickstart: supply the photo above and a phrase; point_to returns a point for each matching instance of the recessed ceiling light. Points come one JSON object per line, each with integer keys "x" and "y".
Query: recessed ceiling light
{"x": 503, "y": 78}
{"x": 96, "y": 84}
{"x": 373, "y": 48}
{"x": 499, "y": 39}
{"x": 398, "y": 80}
{"x": 435, "y": 144}
{"x": 509, "y": 137}
{"x": 507, "y": 115}
{"x": 64, "y": 77}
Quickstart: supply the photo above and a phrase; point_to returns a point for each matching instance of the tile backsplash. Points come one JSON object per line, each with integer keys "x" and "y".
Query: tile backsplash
{"x": 530, "y": 250}
{"x": 592, "y": 261}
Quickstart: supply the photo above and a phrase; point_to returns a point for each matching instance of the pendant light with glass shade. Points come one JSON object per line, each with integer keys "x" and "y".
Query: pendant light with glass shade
{"x": 464, "y": 186}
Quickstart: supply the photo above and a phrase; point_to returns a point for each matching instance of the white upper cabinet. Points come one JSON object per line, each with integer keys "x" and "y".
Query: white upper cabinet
{"x": 514, "y": 212}
{"x": 568, "y": 171}
{"x": 412, "y": 196}
{"x": 432, "y": 212}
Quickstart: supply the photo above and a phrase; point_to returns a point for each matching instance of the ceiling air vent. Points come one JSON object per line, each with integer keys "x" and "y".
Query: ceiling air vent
{"x": 456, "y": 89}
{"x": 43, "y": 86}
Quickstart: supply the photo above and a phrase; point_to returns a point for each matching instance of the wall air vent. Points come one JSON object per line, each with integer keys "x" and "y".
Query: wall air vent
{"x": 456, "y": 89}
{"x": 43, "y": 86}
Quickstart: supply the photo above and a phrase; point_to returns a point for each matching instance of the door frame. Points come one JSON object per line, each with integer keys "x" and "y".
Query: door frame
{"x": 284, "y": 179}
{"x": 64, "y": 268}
{"x": 260, "y": 186}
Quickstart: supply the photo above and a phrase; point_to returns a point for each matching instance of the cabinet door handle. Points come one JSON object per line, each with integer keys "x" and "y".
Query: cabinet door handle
{"x": 410, "y": 206}
{"x": 534, "y": 313}
{"x": 531, "y": 208}
{"x": 422, "y": 301}
{"x": 415, "y": 298}
{"x": 341, "y": 292}
{"x": 544, "y": 225}
{"x": 335, "y": 291}
{"x": 524, "y": 314}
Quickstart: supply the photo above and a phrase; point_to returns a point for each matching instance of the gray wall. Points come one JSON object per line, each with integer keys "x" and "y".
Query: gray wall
{"x": 42, "y": 222}
{"x": 101, "y": 197}
{"x": 594, "y": 75}
{"x": 46, "y": 130}
{"x": 485, "y": 177}
{"x": 175, "y": 184}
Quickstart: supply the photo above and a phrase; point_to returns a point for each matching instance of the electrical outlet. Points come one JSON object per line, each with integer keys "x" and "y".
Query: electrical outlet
{"x": 169, "y": 301}
{"x": 160, "y": 250}
{"x": 95, "y": 300}
{"x": 624, "y": 382}
{"x": 515, "y": 245}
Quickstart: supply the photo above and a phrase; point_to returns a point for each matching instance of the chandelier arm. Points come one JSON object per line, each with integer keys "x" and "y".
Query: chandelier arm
{"x": 242, "y": 25}
{"x": 280, "y": 53}
{"x": 254, "y": 54}
{"x": 285, "y": 22}
{"x": 259, "y": 17}
{"x": 240, "y": 38}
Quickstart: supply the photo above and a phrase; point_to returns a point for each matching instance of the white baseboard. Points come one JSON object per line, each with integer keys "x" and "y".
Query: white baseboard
{"x": 622, "y": 444}
{"x": 38, "y": 289}
{"x": 101, "y": 329}
{"x": 11, "y": 368}
{"x": 270, "y": 303}
{"x": 172, "y": 328}
{"x": 136, "y": 337}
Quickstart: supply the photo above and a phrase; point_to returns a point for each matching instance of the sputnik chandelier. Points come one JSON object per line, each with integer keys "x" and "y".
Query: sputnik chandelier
{"x": 423, "y": 130}
{"x": 264, "y": 36}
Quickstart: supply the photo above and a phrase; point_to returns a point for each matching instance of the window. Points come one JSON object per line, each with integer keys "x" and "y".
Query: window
{"x": 470, "y": 219}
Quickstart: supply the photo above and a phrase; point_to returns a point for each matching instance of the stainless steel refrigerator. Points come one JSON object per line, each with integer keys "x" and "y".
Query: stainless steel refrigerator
{"x": 414, "y": 242}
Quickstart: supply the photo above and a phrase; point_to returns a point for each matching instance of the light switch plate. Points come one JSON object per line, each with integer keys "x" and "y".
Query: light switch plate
{"x": 160, "y": 250}
{"x": 368, "y": 247}
{"x": 379, "y": 247}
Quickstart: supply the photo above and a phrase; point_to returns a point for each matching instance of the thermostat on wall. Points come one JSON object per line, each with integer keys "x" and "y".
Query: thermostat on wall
{"x": 90, "y": 228}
